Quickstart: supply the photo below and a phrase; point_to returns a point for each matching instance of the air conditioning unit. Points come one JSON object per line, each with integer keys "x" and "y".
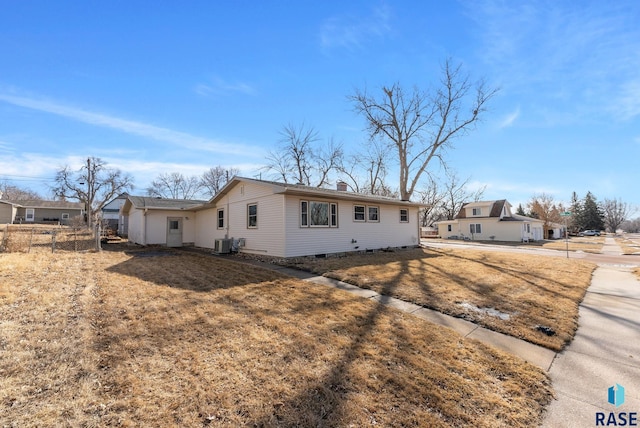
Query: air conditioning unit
{"x": 222, "y": 246}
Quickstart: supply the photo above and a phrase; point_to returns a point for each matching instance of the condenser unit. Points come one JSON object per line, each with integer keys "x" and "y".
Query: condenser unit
{"x": 222, "y": 246}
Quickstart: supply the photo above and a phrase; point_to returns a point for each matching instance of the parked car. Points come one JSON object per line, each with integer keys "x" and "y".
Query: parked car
{"x": 589, "y": 233}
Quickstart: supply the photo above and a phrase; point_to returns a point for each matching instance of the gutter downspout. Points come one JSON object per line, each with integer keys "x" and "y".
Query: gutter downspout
{"x": 144, "y": 227}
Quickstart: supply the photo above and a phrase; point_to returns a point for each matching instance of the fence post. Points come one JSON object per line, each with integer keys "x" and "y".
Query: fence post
{"x": 98, "y": 240}
{"x": 30, "y": 241}
{"x": 75, "y": 240}
{"x": 53, "y": 241}
{"x": 3, "y": 243}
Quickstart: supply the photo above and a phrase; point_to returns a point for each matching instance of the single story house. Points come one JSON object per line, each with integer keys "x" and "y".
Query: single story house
{"x": 36, "y": 211}
{"x": 110, "y": 213}
{"x": 150, "y": 220}
{"x": 285, "y": 220}
{"x": 491, "y": 220}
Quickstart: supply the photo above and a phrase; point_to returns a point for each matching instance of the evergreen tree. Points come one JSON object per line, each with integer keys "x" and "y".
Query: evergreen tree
{"x": 576, "y": 211}
{"x": 591, "y": 215}
{"x": 520, "y": 210}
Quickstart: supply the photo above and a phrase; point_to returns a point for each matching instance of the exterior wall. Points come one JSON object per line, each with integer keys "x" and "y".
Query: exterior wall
{"x": 7, "y": 213}
{"x": 50, "y": 214}
{"x": 349, "y": 235}
{"x": 501, "y": 230}
{"x": 267, "y": 238}
{"x": 156, "y": 226}
{"x": 136, "y": 226}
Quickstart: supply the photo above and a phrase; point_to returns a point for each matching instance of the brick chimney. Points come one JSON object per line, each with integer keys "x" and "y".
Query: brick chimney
{"x": 341, "y": 186}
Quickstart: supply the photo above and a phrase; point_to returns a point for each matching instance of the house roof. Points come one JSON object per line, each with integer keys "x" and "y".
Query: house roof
{"x": 34, "y": 203}
{"x": 496, "y": 208}
{"x": 155, "y": 203}
{"x": 309, "y": 191}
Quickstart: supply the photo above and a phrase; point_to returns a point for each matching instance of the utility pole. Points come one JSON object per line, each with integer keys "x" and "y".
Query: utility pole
{"x": 89, "y": 193}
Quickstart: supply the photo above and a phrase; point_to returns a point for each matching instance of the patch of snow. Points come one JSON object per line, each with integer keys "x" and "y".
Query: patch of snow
{"x": 488, "y": 311}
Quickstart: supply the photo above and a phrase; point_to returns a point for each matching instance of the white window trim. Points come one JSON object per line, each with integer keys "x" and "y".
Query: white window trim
{"x": 256, "y": 215}
{"x": 407, "y": 211}
{"x": 364, "y": 214}
{"x": 221, "y": 210}
{"x": 28, "y": 217}
{"x": 476, "y": 212}
{"x": 306, "y": 222}
{"x": 377, "y": 207}
{"x": 474, "y": 226}
{"x": 65, "y": 216}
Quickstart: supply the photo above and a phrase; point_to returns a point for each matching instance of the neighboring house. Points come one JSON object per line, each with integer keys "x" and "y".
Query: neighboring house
{"x": 36, "y": 211}
{"x": 150, "y": 220}
{"x": 110, "y": 213}
{"x": 491, "y": 220}
{"x": 289, "y": 220}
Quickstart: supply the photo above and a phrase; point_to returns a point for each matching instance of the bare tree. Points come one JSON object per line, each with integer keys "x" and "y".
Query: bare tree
{"x": 175, "y": 185}
{"x": 366, "y": 172}
{"x": 94, "y": 184}
{"x": 446, "y": 198}
{"x": 545, "y": 208}
{"x": 615, "y": 213}
{"x": 301, "y": 160}
{"x": 421, "y": 125}
{"x": 215, "y": 178}
{"x": 15, "y": 193}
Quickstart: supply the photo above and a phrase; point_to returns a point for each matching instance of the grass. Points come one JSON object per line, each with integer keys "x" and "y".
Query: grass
{"x": 112, "y": 338}
{"x": 531, "y": 290}
{"x": 628, "y": 246}
{"x": 587, "y": 244}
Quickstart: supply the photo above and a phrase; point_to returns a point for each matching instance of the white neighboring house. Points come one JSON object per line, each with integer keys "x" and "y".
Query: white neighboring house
{"x": 111, "y": 213}
{"x": 491, "y": 220}
{"x": 286, "y": 220}
{"x": 159, "y": 221}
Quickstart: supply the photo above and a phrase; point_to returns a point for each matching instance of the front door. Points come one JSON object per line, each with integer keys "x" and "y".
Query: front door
{"x": 174, "y": 231}
{"x": 30, "y": 214}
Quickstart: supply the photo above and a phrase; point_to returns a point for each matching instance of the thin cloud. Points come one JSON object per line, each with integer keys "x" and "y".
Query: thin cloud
{"x": 219, "y": 86}
{"x": 353, "y": 32}
{"x": 510, "y": 119}
{"x": 128, "y": 126}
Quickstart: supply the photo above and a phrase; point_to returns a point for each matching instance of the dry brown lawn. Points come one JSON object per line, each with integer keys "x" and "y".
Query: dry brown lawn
{"x": 530, "y": 290}
{"x": 628, "y": 246}
{"x": 113, "y": 339}
{"x": 587, "y": 244}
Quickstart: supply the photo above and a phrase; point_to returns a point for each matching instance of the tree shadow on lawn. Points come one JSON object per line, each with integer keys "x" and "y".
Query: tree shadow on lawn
{"x": 190, "y": 271}
{"x": 326, "y": 393}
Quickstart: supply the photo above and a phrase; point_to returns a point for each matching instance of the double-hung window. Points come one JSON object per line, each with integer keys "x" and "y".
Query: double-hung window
{"x": 318, "y": 214}
{"x": 366, "y": 213}
{"x": 252, "y": 216}
{"x": 404, "y": 215}
{"x": 358, "y": 213}
{"x": 373, "y": 213}
{"x": 475, "y": 228}
{"x": 477, "y": 211}
{"x": 221, "y": 218}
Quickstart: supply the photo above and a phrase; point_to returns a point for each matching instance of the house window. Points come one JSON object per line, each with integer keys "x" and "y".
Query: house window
{"x": 65, "y": 216}
{"x": 304, "y": 213}
{"x": 477, "y": 211}
{"x": 449, "y": 228}
{"x": 318, "y": 214}
{"x": 475, "y": 228}
{"x": 30, "y": 214}
{"x": 252, "y": 216}
{"x": 333, "y": 221}
{"x": 221, "y": 218}
{"x": 373, "y": 214}
{"x": 404, "y": 215}
{"x": 527, "y": 228}
{"x": 358, "y": 213}
{"x": 174, "y": 225}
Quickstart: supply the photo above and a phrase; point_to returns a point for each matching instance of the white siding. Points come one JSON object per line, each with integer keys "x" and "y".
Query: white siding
{"x": 151, "y": 229}
{"x": 267, "y": 238}
{"x": 388, "y": 232}
{"x": 136, "y": 227}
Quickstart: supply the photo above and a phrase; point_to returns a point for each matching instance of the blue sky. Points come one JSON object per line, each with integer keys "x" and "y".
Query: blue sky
{"x": 156, "y": 87}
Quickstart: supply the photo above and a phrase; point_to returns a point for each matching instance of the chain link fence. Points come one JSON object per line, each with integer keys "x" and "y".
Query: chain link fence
{"x": 42, "y": 238}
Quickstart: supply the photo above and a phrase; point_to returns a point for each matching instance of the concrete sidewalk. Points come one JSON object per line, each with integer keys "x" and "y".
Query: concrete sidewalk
{"x": 604, "y": 352}
{"x": 537, "y": 355}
